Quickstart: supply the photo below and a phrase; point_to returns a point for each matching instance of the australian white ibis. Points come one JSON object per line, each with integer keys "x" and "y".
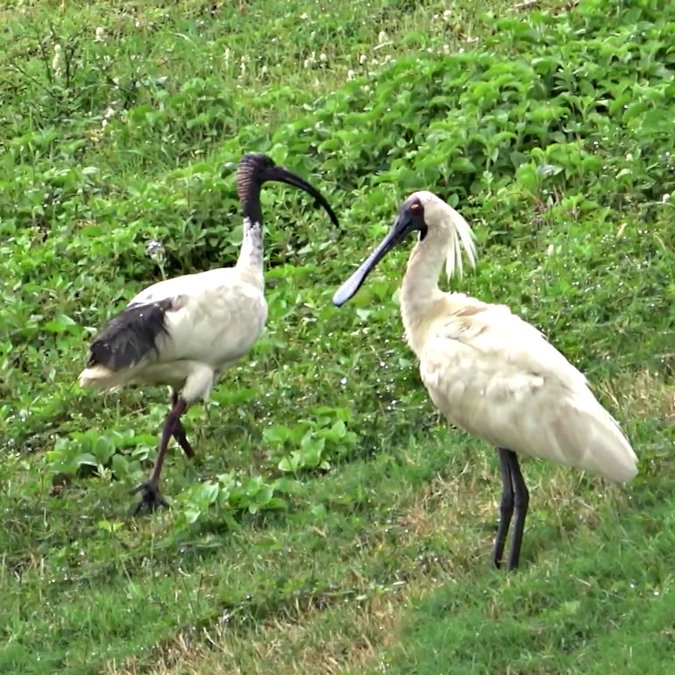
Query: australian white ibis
{"x": 185, "y": 332}
{"x": 491, "y": 373}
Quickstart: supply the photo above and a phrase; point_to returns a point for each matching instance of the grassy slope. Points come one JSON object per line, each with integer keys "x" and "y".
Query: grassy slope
{"x": 381, "y": 562}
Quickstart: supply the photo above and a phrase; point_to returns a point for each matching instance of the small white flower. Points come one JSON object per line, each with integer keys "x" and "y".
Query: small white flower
{"x": 100, "y": 34}
{"x": 362, "y": 59}
{"x": 629, "y": 157}
{"x": 550, "y": 250}
{"x": 323, "y": 58}
{"x": 351, "y": 74}
{"x": 446, "y": 49}
{"x": 381, "y": 37}
{"x": 447, "y": 14}
{"x": 153, "y": 247}
{"x": 304, "y": 16}
{"x": 665, "y": 198}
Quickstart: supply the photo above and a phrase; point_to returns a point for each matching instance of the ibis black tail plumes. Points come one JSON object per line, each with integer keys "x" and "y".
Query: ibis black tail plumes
{"x": 130, "y": 336}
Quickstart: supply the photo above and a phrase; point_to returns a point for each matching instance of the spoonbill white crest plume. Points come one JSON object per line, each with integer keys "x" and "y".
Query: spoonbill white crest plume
{"x": 491, "y": 373}
{"x": 185, "y": 332}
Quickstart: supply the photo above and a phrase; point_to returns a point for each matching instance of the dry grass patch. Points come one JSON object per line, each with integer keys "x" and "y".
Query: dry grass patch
{"x": 342, "y": 638}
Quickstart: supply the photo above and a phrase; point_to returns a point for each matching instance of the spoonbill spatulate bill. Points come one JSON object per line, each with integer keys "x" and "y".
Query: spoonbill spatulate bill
{"x": 489, "y": 372}
{"x": 186, "y": 331}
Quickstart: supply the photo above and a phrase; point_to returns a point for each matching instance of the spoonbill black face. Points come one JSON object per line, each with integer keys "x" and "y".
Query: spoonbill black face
{"x": 410, "y": 219}
{"x": 255, "y": 169}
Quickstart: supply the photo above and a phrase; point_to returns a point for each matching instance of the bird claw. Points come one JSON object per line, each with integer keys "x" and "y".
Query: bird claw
{"x": 151, "y": 498}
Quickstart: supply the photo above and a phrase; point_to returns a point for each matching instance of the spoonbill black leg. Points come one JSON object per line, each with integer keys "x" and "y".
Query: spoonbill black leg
{"x": 521, "y": 500}
{"x": 505, "y": 507}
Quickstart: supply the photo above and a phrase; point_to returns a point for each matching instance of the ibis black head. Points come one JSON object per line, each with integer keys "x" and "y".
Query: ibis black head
{"x": 410, "y": 219}
{"x": 255, "y": 169}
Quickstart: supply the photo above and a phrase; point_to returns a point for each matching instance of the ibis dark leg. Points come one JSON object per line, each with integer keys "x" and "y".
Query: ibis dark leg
{"x": 179, "y": 430}
{"x": 520, "y": 502}
{"x": 505, "y": 507}
{"x": 151, "y": 497}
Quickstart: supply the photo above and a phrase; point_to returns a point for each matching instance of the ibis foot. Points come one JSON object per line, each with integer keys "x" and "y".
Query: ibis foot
{"x": 151, "y": 498}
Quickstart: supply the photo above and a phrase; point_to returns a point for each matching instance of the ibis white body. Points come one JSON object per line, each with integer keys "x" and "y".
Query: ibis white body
{"x": 214, "y": 319}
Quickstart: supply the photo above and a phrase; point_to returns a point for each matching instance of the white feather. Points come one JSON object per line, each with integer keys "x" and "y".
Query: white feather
{"x": 461, "y": 237}
{"x": 459, "y": 234}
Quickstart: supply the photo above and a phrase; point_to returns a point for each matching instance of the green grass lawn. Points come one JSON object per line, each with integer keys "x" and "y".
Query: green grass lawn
{"x": 331, "y": 523}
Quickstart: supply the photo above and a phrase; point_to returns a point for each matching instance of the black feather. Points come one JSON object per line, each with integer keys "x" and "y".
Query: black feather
{"x": 130, "y": 336}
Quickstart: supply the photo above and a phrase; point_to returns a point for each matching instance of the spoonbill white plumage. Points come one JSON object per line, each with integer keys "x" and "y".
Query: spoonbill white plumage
{"x": 491, "y": 373}
{"x": 186, "y": 331}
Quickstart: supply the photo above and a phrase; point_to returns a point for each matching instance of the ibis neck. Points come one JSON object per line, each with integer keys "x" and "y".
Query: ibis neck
{"x": 420, "y": 293}
{"x": 250, "y": 261}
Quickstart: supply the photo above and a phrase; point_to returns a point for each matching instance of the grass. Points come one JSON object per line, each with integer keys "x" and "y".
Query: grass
{"x": 368, "y": 549}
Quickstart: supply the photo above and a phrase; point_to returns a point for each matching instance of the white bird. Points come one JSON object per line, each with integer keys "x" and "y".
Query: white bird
{"x": 185, "y": 332}
{"x": 491, "y": 373}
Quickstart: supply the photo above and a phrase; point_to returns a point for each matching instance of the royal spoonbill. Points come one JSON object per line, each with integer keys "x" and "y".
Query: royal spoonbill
{"x": 488, "y": 371}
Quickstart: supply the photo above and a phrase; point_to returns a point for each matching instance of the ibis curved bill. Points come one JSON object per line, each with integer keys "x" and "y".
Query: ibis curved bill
{"x": 491, "y": 373}
{"x": 186, "y": 331}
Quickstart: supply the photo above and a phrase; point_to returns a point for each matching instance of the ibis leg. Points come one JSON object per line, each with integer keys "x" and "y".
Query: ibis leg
{"x": 179, "y": 430}
{"x": 505, "y": 506}
{"x": 151, "y": 497}
{"x": 521, "y": 502}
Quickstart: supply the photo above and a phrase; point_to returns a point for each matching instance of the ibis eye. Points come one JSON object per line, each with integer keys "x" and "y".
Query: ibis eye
{"x": 416, "y": 207}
